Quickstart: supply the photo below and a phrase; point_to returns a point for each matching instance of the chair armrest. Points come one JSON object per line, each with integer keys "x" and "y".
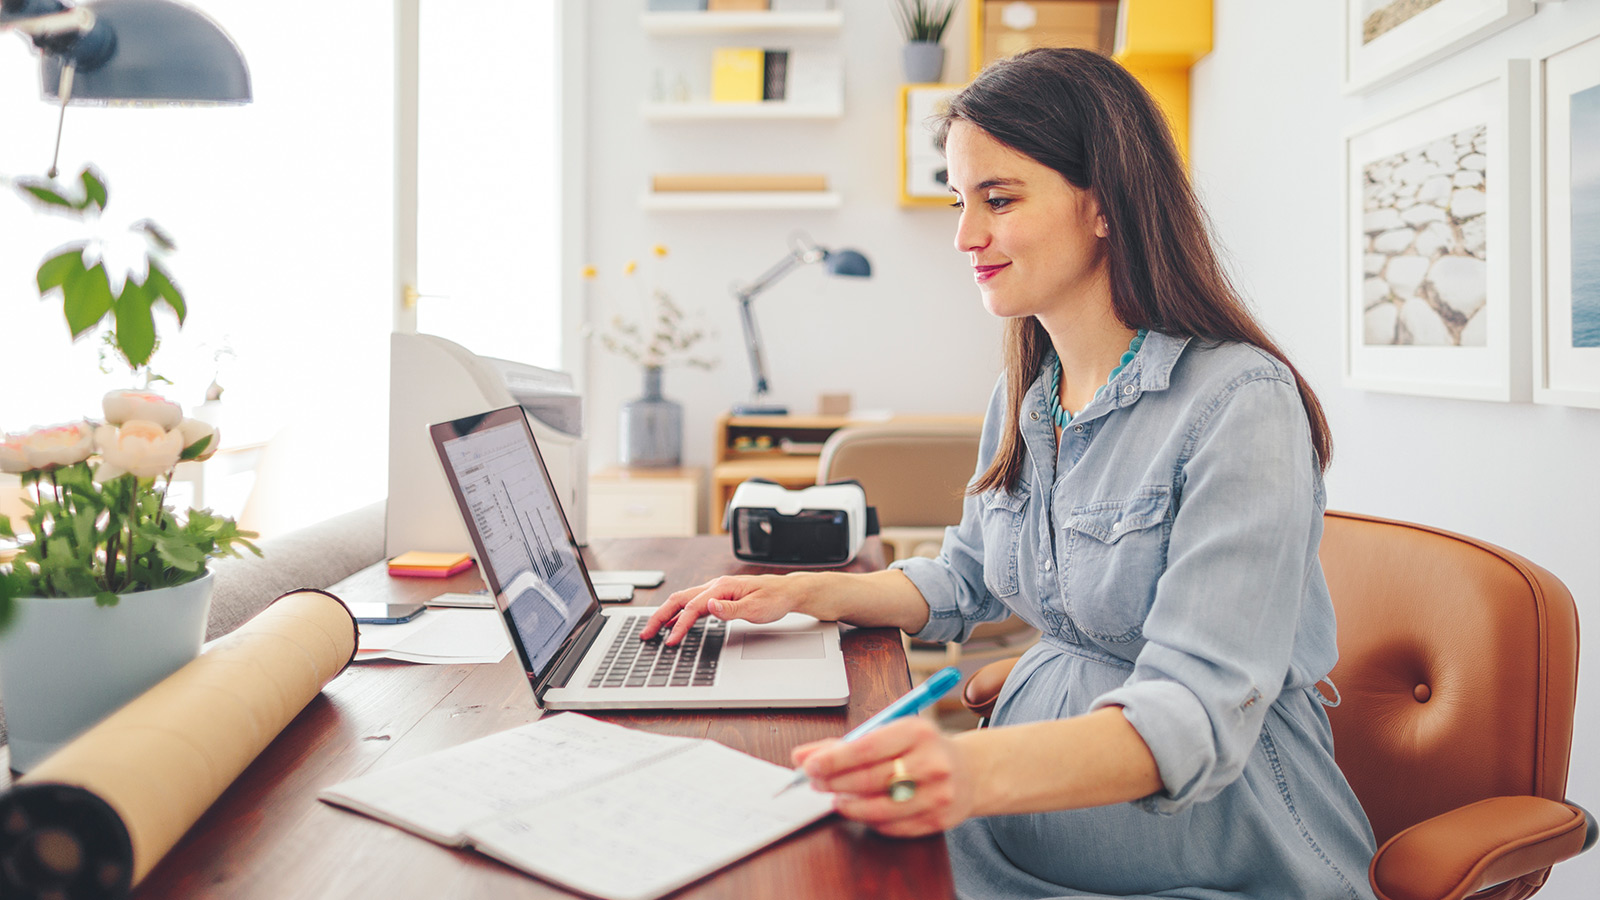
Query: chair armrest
{"x": 983, "y": 688}
{"x": 1476, "y": 846}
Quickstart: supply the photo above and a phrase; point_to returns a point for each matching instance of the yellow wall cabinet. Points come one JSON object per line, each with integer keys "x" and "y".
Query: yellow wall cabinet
{"x": 1157, "y": 40}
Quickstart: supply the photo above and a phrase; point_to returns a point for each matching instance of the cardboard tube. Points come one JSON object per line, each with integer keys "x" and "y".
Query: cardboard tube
{"x": 96, "y": 816}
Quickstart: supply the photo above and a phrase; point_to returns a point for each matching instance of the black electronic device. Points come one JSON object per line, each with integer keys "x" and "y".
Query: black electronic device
{"x": 385, "y": 613}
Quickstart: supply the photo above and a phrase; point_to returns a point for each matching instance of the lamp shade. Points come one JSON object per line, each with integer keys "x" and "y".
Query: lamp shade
{"x": 849, "y": 263}
{"x": 164, "y": 53}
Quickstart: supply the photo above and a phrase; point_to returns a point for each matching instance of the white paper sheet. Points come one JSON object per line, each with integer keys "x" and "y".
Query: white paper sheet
{"x": 442, "y": 794}
{"x": 441, "y": 636}
{"x": 682, "y": 818}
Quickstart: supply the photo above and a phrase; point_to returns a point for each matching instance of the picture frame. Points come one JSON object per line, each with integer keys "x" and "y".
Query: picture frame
{"x": 1386, "y": 40}
{"x": 922, "y": 180}
{"x": 1437, "y": 248}
{"x": 1566, "y": 226}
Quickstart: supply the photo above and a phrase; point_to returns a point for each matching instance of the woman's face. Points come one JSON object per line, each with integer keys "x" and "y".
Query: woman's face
{"x": 1036, "y": 243}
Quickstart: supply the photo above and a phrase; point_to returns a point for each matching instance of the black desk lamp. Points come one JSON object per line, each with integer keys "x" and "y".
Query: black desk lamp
{"x": 802, "y": 250}
{"x": 135, "y": 52}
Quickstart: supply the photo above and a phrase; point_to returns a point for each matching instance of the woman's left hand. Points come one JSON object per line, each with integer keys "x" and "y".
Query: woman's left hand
{"x": 859, "y": 774}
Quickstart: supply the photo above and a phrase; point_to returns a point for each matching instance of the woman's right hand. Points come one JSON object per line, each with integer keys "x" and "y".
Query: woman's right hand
{"x": 754, "y": 598}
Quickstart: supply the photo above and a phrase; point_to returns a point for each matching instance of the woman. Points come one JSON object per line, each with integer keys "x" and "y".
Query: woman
{"x": 1148, "y": 495}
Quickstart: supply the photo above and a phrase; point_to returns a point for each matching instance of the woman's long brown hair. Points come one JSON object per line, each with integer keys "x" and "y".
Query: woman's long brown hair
{"x": 1085, "y": 117}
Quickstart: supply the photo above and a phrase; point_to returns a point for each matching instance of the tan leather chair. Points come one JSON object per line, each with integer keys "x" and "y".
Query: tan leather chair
{"x": 1458, "y": 673}
{"x": 915, "y": 475}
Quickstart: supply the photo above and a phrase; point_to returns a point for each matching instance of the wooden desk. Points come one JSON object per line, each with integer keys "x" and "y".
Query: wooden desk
{"x": 268, "y": 836}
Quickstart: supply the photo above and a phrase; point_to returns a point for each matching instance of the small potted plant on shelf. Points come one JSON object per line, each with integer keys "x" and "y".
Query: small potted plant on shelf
{"x": 104, "y": 588}
{"x": 650, "y": 431}
{"x": 923, "y": 23}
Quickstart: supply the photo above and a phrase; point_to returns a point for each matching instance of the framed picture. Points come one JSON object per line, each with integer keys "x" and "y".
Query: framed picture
{"x": 1437, "y": 256}
{"x": 923, "y": 180}
{"x": 1566, "y": 296}
{"x": 1389, "y": 39}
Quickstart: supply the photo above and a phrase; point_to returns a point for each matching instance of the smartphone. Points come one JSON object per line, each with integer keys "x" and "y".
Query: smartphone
{"x": 385, "y": 613}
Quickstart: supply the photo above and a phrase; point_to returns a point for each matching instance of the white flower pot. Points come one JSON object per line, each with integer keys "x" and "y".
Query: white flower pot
{"x": 66, "y": 663}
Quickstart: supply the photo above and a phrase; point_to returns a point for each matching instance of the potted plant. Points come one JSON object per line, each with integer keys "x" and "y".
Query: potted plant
{"x": 650, "y": 428}
{"x": 923, "y": 23}
{"x": 105, "y": 588}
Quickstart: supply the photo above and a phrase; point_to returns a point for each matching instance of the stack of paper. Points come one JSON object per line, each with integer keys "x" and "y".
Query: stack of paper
{"x": 440, "y": 636}
{"x": 423, "y": 564}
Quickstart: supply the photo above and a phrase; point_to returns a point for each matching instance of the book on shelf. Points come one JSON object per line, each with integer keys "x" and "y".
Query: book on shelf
{"x": 736, "y": 5}
{"x": 673, "y": 183}
{"x": 776, "y": 70}
{"x": 591, "y": 806}
{"x": 737, "y": 74}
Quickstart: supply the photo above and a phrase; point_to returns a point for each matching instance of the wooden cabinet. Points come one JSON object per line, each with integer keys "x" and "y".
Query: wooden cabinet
{"x": 784, "y": 449}
{"x": 629, "y": 503}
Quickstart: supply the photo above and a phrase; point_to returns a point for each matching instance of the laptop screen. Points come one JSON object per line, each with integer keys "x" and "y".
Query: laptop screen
{"x": 525, "y": 548}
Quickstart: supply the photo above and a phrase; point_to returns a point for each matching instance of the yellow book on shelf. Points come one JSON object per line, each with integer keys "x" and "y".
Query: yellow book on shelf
{"x": 737, "y": 74}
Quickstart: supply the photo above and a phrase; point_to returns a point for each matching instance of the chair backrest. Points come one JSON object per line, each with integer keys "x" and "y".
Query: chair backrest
{"x": 915, "y": 474}
{"x": 1457, "y": 671}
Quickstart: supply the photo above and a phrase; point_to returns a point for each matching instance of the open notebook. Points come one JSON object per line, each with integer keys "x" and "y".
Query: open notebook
{"x": 591, "y": 806}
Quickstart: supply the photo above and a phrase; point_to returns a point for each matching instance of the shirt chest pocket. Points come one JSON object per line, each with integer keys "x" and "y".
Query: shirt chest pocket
{"x": 1002, "y": 536}
{"x": 1116, "y": 550}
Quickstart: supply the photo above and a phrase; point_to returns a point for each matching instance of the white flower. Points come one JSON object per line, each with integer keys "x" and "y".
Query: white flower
{"x": 13, "y": 457}
{"x": 126, "y": 406}
{"x": 139, "y": 447}
{"x": 58, "y": 445}
{"x": 194, "y": 430}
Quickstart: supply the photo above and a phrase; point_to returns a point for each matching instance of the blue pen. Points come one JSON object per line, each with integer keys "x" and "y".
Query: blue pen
{"x": 916, "y": 700}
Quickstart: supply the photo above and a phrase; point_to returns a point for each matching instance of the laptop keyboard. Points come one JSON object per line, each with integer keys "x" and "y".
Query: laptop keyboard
{"x": 630, "y": 662}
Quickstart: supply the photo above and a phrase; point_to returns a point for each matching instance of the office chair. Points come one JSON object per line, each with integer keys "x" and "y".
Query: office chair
{"x": 916, "y": 474}
{"x": 1458, "y": 672}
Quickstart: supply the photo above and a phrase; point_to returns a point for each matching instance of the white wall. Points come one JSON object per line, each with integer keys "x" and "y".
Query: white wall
{"x": 914, "y": 338}
{"x": 1267, "y": 151}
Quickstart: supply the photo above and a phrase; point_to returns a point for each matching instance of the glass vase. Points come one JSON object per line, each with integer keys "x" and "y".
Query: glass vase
{"x": 650, "y": 430}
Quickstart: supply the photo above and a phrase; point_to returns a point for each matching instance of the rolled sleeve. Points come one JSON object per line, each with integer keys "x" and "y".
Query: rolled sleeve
{"x": 1221, "y": 630}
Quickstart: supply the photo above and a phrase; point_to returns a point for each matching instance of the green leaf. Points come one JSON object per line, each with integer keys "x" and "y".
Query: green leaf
{"x": 160, "y": 283}
{"x": 105, "y": 598}
{"x": 5, "y": 528}
{"x": 94, "y": 190}
{"x": 54, "y": 271}
{"x": 83, "y": 533}
{"x": 181, "y": 556}
{"x": 194, "y": 450}
{"x": 136, "y": 327}
{"x": 87, "y": 295}
{"x": 46, "y": 195}
{"x": 12, "y": 586}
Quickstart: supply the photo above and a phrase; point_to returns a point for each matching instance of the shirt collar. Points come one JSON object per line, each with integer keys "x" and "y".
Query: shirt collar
{"x": 1150, "y": 370}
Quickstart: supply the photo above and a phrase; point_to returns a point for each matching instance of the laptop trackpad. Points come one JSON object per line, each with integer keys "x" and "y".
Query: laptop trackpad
{"x": 782, "y": 646}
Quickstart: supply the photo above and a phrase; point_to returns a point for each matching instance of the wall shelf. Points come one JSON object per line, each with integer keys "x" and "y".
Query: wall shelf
{"x": 706, "y": 111}
{"x": 687, "y": 23}
{"x": 693, "y": 201}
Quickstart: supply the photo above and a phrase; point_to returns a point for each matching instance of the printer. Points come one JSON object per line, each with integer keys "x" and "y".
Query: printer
{"x": 433, "y": 380}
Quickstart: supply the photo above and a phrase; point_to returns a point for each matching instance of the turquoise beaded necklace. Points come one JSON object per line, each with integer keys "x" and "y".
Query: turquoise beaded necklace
{"x": 1062, "y": 417}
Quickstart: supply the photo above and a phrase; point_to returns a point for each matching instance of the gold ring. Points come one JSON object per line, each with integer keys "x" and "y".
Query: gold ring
{"x": 902, "y": 786}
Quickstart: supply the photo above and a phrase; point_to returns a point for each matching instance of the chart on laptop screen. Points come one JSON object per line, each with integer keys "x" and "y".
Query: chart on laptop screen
{"x": 524, "y": 542}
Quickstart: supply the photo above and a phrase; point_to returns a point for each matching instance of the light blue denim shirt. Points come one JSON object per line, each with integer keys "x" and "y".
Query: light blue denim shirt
{"x": 1168, "y": 553}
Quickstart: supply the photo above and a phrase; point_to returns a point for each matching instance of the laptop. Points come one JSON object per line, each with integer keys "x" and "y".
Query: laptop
{"x": 580, "y": 656}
